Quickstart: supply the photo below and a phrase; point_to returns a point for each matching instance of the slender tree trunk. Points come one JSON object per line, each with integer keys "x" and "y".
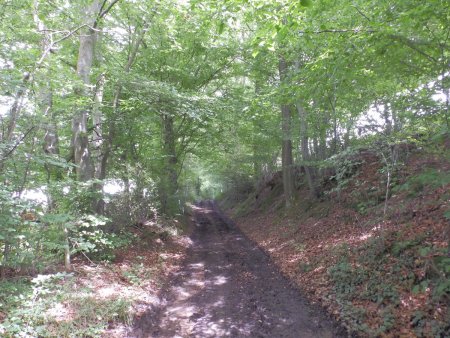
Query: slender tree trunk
{"x": 67, "y": 263}
{"x": 304, "y": 144}
{"x": 44, "y": 97}
{"x": 98, "y": 152}
{"x": 387, "y": 118}
{"x": 336, "y": 142}
{"x": 16, "y": 107}
{"x": 13, "y": 115}
{"x": 304, "y": 150}
{"x": 5, "y": 259}
{"x": 51, "y": 139}
{"x": 127, "y": 192}
{"x": 256, "y": 144}
{"x": 286, "y": 147}
{"x": 349, "y": 128}
{"x": 315, "y": 147}
{"x": 80, "y": 140}
{"x": 396, "y": 120}
{"x": 170, "y": 175}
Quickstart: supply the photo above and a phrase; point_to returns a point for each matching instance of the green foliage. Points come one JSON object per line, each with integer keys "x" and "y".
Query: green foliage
{"x": 345, "y": 165}
{"x": 137, "y": 273}
{"x": 382, "y": 272}
{"x": 346, "y": 279}
{"x": 17, "y": 237}
{"x": 354, "y": 316}
{"x": 429, "y": 178}
{"x": 306, "y": 267}
{"x": 447, "y": 215}
{"x": 92, "y": 317}
{"x": 32, "y": 309}
{"x": 26, "y": 307}
{"x": 190, "y": 108}
{"x": 401, "y": 246}
{"x": 422, "y": 324}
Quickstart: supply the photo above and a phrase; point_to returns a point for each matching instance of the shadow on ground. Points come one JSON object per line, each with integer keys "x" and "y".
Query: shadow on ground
{"x": 229, "y": 288}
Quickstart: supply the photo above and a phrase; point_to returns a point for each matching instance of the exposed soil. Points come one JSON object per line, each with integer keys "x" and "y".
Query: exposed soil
{"x": 229, "y": 288}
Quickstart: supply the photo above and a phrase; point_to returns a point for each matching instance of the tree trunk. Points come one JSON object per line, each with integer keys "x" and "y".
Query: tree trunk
{"x": 5, "y": 259}
{"x": 256, "y": 144}
{"x": 51, "y": 140}
{"x": 304, "y": 150}
{"x": 44, "y": 98}
{"x": 316, "y": 153}
{"x": 169, "y": 176}
{"x": 67, "y": 263}
{"x": 13, "y": 114}
{"x": 387, "y": 118}
{"x": 349, "y": 127}
{"x": 86, "y": 53}
{"x": 98, "y": 153}
{"x": 286, "y": 147}
{"x": 16, "y": 107}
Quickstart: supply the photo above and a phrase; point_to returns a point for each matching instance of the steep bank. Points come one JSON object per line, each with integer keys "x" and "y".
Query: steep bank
{"x": 382, "y": 273}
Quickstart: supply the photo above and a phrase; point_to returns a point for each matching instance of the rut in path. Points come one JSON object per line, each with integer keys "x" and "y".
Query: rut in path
{"x": 229, "y": 288}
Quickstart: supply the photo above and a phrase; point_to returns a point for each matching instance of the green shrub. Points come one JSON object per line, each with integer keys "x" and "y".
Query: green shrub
{"x": 28, "y": 304}
{"x": 432, "y": 178}
{"x": 345, "y": 165}
{"x": 346, "y": 278}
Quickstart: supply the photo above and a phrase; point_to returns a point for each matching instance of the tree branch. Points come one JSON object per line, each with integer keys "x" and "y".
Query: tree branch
{"x": 339, "y": 31}
{"x": 5, "y": 156}
{"x": 411, "y": 44}
{"x": 104, "y": 12}
{"x": 361, "y": 13}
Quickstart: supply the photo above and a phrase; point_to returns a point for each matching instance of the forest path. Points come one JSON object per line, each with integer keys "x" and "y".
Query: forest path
{"x": 229, "y": 288}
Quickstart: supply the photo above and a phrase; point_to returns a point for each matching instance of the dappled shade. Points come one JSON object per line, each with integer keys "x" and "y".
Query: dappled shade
{"x": 228, "y": 287}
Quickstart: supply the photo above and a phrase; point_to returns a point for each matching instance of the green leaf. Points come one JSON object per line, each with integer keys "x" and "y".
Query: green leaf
{"x": 306, "y": 3}
{"x": 221, "y": 27}
{"x": 447, "y": 214}
{"x": 255, "y": 53}
{"x": 423, "y": 251}
{"x": 271, "y": 48}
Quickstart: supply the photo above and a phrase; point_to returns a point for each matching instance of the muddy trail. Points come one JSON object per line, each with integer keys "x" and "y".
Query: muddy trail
{"x": 229, "y": 288}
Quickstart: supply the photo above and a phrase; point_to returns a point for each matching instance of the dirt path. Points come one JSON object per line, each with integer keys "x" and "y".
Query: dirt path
{"x": 229, "y": 288}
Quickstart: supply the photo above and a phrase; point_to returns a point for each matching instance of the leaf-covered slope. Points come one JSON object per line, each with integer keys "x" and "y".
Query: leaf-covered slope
{"x": 381, "y": 275}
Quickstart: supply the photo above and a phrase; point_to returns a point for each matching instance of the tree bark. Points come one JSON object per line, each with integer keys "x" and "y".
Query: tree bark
{"x": 286, "y": 147}
{"x": 169, "y": 177}
{"x": 98, "y": 150}
{"x": 86, "y": 53}
{"x": 13, "y": 115}
{"x": 304, "y": 150}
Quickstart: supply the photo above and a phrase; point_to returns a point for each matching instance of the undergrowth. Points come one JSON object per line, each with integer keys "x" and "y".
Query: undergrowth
{"x": 385, "y": 269}
{"x": 50, "y": 306}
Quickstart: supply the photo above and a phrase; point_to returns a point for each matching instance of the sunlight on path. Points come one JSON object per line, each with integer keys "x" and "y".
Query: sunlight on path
{"x": 228, "y": 288}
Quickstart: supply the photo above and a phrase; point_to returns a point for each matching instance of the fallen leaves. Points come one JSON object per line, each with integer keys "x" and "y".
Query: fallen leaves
{"x": 305, "y": 246}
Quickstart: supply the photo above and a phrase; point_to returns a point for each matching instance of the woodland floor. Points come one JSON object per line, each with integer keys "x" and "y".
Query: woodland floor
{"x": 227, "y": 287}
{"x": 379, "y": 275}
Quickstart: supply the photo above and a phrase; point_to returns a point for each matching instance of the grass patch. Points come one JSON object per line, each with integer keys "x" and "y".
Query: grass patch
{"x": 90, "y": 317}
